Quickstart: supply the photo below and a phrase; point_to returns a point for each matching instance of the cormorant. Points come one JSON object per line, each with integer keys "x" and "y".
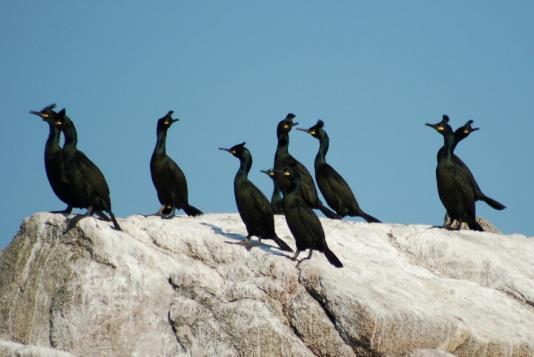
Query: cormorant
{"x": 53, "y": 157}
{"x": 334, "y": 188}
{"x": 301, "y": 220}
{"x": 276, "y": 197}
{"x": 460, "y": 134}
{"x": 456, "y": 191}
{"x": 253, "y": 206}
{"x": 168, "y": 178}
{"x": 86, "y": 183}
{"x": 283, "y": 159}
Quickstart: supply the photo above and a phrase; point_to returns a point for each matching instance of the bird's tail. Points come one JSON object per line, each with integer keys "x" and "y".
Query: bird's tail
{"x": 192, "y": 211}
{"x": 328, "y": 212}
{"x": 492, "y": 203}
{"x": 115, "y": 223}
{"x": 282, "y": 244}
{"x": 332, "y": 258}
{"x": 475, "y": 226}
{"x": 369, "y": 218}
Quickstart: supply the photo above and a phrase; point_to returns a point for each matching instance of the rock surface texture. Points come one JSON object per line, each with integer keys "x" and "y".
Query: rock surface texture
{"x": 185, "y": 287}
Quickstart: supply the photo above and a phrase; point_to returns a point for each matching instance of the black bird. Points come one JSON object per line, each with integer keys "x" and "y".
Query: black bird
{"x": 87, "y": 186}
{"x": 276, "y": 197}
{"x": 253, "y": 206}
{"x": 301, "y": 220}
{"x": 456, "y": 190}
{"x": 334, "y": 188}
{"x": 53, "y": 157}
{"x": 460, "y": 134}
{"x": 168, "y": 178}
{"x": 283, "y": 158}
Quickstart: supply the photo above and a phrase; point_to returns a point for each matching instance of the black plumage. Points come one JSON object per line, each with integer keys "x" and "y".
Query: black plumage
{"x": 283, "y": 158}
{"x": 460, "y": 134}
{"x": 169, "y": 180}
{"x": 276, "y": 197}
{"x": 86, "y": 184}
{"x": 53, "y": 157}
{"x": 334, "y": 188}
{"x": 456, "y": 190}
{"x": 301, "y": 220}
{"x": 254, "y": 208}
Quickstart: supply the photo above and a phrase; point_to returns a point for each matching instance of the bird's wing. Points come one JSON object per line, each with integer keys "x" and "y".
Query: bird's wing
{"x": 178, "y": 178}
{"x": 92, "y": 173}
{"x": 337, "y": 184}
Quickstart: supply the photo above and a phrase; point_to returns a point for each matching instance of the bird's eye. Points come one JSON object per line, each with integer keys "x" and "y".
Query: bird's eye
{"x": 234, "y": 152}
{"x": 466, "y": 131}
{"x": 286, "y": 126}
{"x": 287, "y": 173}
{"x": 440, "y": 128}
{"x": 312, "y": 132}
{"x": 45, "y": 115}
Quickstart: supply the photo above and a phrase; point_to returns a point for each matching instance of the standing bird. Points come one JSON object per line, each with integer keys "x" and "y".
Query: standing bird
{"x": 283, "y": 158}
{"x": 168, "y": 178}
{"x": 276, "y": 197}
{"x": 301, "y": 220}
{"x": 334, "y": 188}
{"x": 460, "y": 134}
{"x": 253, "y": 206}
{"x": 53, "y": 157}
{"x": 86, "y": 184}
{"x": 456, "y": 190}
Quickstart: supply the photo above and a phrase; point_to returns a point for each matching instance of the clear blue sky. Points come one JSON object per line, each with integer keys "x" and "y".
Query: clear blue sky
{"x": 375, "y": 72}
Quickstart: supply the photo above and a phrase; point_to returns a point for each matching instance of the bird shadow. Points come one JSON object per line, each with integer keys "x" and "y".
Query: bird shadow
{"x": 239, "y": 239}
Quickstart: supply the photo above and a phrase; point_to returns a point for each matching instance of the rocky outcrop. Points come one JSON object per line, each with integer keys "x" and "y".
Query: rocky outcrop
{"x": 187, "y": 287}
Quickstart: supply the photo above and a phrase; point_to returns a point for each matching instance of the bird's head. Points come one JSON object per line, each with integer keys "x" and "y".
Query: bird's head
{"x": 47, "y": 113}
{"x": 236, "y": 150}
{"x": 442, "y": 127}
{"x": 316, "y": 131}
{"x": 285, "y": 125}
{"x": 166, "y": 121}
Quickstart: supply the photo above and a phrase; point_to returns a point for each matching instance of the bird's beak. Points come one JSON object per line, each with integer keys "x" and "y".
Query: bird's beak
{"x": 475, "y": 129}
{"x": 225, "y": 149}
{"x": 304, "y": 130}
{"x": 174, "y": 120}
{"x": 39, "y": 114}
{"x": 433, "y": 126}
{"x": 294, "y": 124}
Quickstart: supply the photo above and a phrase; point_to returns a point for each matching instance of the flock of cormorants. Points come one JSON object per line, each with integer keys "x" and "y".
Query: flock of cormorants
{"x": 78, "y": 182}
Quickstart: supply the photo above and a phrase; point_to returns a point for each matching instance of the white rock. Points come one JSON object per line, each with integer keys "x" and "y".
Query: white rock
{"x": 184, "y": 287}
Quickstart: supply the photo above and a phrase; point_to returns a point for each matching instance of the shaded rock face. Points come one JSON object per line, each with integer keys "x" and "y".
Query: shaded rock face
{"x": 184, "y": 287}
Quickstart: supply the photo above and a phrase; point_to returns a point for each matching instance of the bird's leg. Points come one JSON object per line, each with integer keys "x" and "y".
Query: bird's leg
{"x": 170, "y": 214}
{"x": 303, "y": 259}
{"x": 294, "y": 257}
{"x": 459, "y": 226}
{"x": 102, "y": 216}
{"x": 66, "y": 211}
{"x": 76, "y": 219}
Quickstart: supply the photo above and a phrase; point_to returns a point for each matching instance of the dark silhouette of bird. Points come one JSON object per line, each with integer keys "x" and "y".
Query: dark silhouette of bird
{"x": 86, "y": 183}
{"x": 253, "y": 206}
{"x": 283, "y": 158}
{"x": 53, "y": 157}
{"x": 276, "y": 197}
{"x": 301, "y": 220}
{"x": 456, "y": 190}
{"x": 460, "y": 134}
{"x": 168, "y": 178}
{"x": 334, "y": 188}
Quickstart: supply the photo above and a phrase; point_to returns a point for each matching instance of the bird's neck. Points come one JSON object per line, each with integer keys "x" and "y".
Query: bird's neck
{"x": 71, "y": 139}
{"x": 53, "y": 137}
{"x": 244, "y": 168}
{"x": 320, "y": 158}
{"x": 161, "y": 142}
{"x": 448, "y": 147}
{"x": 282, "y": 148}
